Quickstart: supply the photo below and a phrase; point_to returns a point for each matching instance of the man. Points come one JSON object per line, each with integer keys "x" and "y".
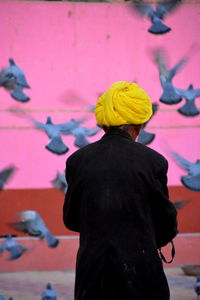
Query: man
{"x": 117, "y": 199}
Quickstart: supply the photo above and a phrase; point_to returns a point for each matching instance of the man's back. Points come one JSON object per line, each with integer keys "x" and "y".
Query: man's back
{"x": 115, "y": 188}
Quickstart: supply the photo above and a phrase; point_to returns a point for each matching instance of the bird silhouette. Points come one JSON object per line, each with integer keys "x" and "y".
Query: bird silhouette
{"x": 169, "y": 95}
{"x": 197, "y": 287}
{"x": 189, "y": 109}
{"x": 49, "y": 293}
{"x": 59, "y": 182}
{"x": 5, "y": 175}
{"x": 33, "y": 224}
{"x": 14, "y": 248}
{"x": 12, "y": 78}
{"x": 144, "y": 136}
{"x": 192, "y": 180}
{"x": 156, "y": 15}
{"x": 80, "y": 134}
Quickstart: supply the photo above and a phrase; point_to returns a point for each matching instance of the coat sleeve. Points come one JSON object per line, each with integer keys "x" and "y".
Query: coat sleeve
{"x": 163, "y": 211}
{"x": 71, "y": 207}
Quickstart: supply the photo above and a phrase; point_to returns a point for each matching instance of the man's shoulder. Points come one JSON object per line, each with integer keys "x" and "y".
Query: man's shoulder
{"x": 149, "y": 152}
{"x": 82, "y": 151}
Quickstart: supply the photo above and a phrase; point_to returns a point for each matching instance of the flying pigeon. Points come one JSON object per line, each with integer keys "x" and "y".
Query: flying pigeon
{"x": 197, "y": 287}
{"x": 54, "y": 131}
{"x": 49, "y": 293}
{"x": 144, "y": 136}
{"x": 80, "y": 134}
{"x": 192, "y": 180}
{"x": 156, "y": 15}
{"x": 5, "y": 175}
{"x": 14, "y": 248}
{"x": 13, "y": 79}
{"x": 169, "y": 95}
{"x": 189, "y": 109}
{"x": 32, "y": 223}
{"x": 60, "y": 182}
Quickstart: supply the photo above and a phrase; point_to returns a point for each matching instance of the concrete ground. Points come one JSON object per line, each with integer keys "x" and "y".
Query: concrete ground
{"x": 29, "y": 285}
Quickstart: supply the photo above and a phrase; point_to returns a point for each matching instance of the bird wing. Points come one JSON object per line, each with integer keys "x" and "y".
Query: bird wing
{"x": 155, "y": 107}
{"x": 188, "y": 94}
{"x": 39, "y": 125}
{"x": 5, "y": 174}
{"x": 66, "y": 128}
{"x": 91, "y": 131}
{"x": 197, "y": 92}
{"x": 59, "y": 182}
{"x": 20, "y": 226}
{"x": 183, "y": 163}
{"x": 180, "y": 204}
{"x": 163, "y": 80}
{"x": 29, "y": 227}
{"x": 166, "y": 6}
{"x": 182, "y": 93}
{"x": 178, "y": 66}
{"x": 143, "y": 8}
{"x": 159, "y": 58}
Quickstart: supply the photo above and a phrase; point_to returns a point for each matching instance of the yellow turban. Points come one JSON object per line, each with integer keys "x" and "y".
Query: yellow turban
{"x": 124, "y": 103}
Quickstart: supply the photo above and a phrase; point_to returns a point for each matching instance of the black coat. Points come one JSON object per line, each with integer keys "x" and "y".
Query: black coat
{"x": 117, "y": 199}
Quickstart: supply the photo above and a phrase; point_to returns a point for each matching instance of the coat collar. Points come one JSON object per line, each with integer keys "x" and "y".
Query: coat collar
{"x": 117, "y": 131}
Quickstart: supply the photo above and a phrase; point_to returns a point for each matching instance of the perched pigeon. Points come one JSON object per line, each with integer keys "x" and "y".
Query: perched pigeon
{"x": 49, "y": 293}
{"x": 179, "y": 204}
{"x": 144, "y": 136}
{"x": 156, "y": 15}
{"x": 169, "y": 95}
{"x": 197, "y": 287}
{"x": 189, "y": 109}
{"x": 80, "y": 134}
{"x": 32, "y": 223}
{"x": 60, "y": 182}
{"x": 192, "y": 180}
{"x": 5, "y": 175}
{"x": 15, "y": 249}
{"x": 13, "y": 78}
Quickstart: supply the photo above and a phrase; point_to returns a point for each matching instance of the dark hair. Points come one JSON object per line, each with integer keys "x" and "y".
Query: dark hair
{"x": 125, "y": 127}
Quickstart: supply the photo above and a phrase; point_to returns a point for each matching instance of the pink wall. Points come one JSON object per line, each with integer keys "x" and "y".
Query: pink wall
{"x": 73, "y": 51}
